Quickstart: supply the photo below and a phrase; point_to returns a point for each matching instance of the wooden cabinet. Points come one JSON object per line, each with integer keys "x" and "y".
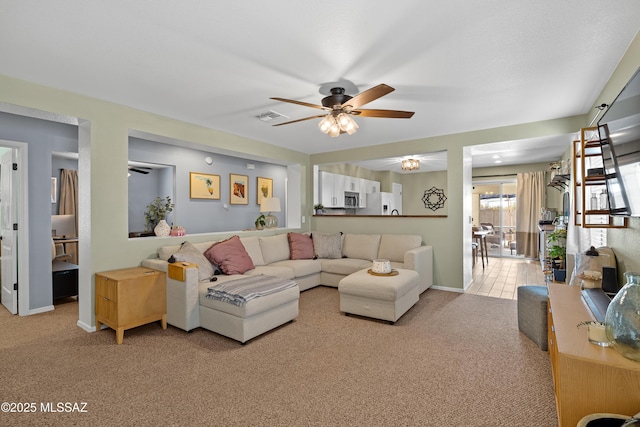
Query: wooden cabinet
{"x": 130, "y": 297}
{"x": 586, "y": 378}
{"x": 590, "y": 189}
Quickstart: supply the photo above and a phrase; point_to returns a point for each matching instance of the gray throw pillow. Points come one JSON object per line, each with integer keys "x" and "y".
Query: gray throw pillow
{"x": 327, "y": 245}
{"x": 189, "y": 253}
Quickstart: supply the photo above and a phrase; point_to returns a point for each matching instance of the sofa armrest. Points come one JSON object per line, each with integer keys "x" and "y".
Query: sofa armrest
{"x": 421, "y": 260}
{"x": 182, "y": 296}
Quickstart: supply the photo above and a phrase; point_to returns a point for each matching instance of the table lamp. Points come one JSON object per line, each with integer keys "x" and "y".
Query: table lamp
{"x": 270, "y": 204}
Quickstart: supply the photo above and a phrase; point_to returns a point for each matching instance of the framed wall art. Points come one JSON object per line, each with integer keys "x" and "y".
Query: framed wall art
{"x": 264, "y": 188}
{"x": 238, "y": 189}
{"x": 204, "y": 186}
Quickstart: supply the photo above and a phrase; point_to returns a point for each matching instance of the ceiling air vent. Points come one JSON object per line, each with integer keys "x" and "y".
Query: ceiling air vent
{"x": 269, "y": 116}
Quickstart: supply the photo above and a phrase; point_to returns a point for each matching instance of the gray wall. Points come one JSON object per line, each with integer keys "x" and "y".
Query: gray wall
{"x": 43, "y": 137}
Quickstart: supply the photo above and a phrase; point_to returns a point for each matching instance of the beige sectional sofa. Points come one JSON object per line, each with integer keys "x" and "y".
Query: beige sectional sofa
{"x": 189, "y": 308}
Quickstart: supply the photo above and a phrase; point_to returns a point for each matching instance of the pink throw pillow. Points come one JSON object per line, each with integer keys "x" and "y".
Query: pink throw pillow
{"x": 300, "y": 246}
{"x": 230, "y": 256}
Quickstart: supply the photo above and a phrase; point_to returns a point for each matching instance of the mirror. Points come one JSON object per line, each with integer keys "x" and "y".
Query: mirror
{"x": 382, "y": 187}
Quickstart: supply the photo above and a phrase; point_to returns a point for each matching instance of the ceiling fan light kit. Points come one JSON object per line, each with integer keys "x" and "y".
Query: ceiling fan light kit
{"x": 410, "y": 164}
{"x": 340, "y": 107}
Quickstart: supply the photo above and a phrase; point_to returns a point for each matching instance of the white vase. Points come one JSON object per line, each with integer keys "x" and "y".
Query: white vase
{"x": 162, "y": 229}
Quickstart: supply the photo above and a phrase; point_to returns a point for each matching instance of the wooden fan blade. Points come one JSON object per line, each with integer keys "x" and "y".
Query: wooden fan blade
{"x": 304, "y": 104}
{"x": 369, "y": 95}
{"x": 391, "y": 114}
{"x": 301, "y": 120}
{"x": 138, "y": 170}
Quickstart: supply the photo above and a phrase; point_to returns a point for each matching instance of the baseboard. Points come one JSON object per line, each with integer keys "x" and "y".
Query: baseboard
{"x": 41, "y": 310}
{"x": 444, "y": 288}
{"x": 86, "y": 327}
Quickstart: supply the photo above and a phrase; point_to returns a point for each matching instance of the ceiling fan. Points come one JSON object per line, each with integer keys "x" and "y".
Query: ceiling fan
{"x": 340, "y": 107}
{"x": 139, "y": 169}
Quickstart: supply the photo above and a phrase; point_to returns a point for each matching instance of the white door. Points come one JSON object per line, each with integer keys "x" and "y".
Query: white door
{"x": 9, "y": 235}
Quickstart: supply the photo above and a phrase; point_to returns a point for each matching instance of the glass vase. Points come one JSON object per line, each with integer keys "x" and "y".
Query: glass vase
{"x": 623, "y": 318}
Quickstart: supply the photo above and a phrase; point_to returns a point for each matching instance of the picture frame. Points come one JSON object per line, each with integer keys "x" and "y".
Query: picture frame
{"x": 238, "y": 189}
{"x": 264, "y": 188}
{"x": 204, "y": 186}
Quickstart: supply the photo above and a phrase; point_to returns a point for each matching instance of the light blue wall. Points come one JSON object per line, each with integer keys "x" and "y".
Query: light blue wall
{"x": 43, "y": 138}
{"x": 198, "y": 215}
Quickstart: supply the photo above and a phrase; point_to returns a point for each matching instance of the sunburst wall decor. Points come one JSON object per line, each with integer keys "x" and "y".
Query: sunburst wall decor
{"x": 434, "y": 198}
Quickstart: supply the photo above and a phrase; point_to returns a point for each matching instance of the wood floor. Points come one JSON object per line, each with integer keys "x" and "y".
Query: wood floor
{"x": 501, "y": 277}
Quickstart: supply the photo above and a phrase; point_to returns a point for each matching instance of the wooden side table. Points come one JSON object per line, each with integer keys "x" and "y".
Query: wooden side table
{"x": 130, "y": 297}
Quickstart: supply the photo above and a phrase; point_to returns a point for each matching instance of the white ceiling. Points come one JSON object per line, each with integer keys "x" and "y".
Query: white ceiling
{"x": 460, "y": 65}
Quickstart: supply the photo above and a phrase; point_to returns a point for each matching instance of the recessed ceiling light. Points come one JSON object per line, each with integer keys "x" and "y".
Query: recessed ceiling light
{"x": 495, "y": 156}
{"x": 498, "y": 161}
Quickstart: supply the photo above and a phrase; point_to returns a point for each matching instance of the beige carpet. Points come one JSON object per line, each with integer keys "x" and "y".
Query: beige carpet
{"x": 452, "y": 360}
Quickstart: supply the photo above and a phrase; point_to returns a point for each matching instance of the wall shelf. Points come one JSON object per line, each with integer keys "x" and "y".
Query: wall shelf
{"x": 560, "y": 181}
{"x": 590, "y": 190}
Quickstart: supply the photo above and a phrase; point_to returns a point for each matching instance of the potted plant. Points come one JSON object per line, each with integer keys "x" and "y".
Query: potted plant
{"x": 557, "y": 250}
{"x": 318, "y": 208}
{"x": 157, "y": 211}
{"x": 260, "y": 222}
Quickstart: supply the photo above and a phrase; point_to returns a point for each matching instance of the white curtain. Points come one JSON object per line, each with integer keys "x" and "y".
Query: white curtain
{"x": 530, "y": 196}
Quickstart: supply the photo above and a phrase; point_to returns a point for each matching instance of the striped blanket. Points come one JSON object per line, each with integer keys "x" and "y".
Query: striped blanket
{"x": 239, "y": 292}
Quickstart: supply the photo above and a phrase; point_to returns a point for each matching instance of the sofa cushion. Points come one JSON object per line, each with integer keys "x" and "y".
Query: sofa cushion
{"x": 300, "y": 246}
{"x": 274, "y": 248}
{"x": 252, "y": 245}
{"x": 300, "y": 267}
{"x": 189, "y": 253}
{"x": 393, "y": 246}
{"x": 230, "y": 256}
{"x": 327, "y": 245}
{"x": 344, "y": 266}
{"x": 273, "y": 270}
{"x": 361, "y": 246}
{"x": 165, "y": 252}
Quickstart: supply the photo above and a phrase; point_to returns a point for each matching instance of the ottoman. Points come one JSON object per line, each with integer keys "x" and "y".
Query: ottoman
{"x": 254, "y": 318}
{"x": 532, "y": 313}
{"x": 379, "y": 297}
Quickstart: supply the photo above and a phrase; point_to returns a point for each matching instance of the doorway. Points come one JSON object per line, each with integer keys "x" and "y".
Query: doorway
{"x": 494, "y": 209}
{"x": 14, "y": 211}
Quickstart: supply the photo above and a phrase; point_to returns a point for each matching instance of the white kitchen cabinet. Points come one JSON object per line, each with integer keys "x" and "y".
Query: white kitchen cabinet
{"x": 332, "y": 189}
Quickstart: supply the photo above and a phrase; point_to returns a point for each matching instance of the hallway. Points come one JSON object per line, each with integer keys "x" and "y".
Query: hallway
{"x": 503, "y": 275}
